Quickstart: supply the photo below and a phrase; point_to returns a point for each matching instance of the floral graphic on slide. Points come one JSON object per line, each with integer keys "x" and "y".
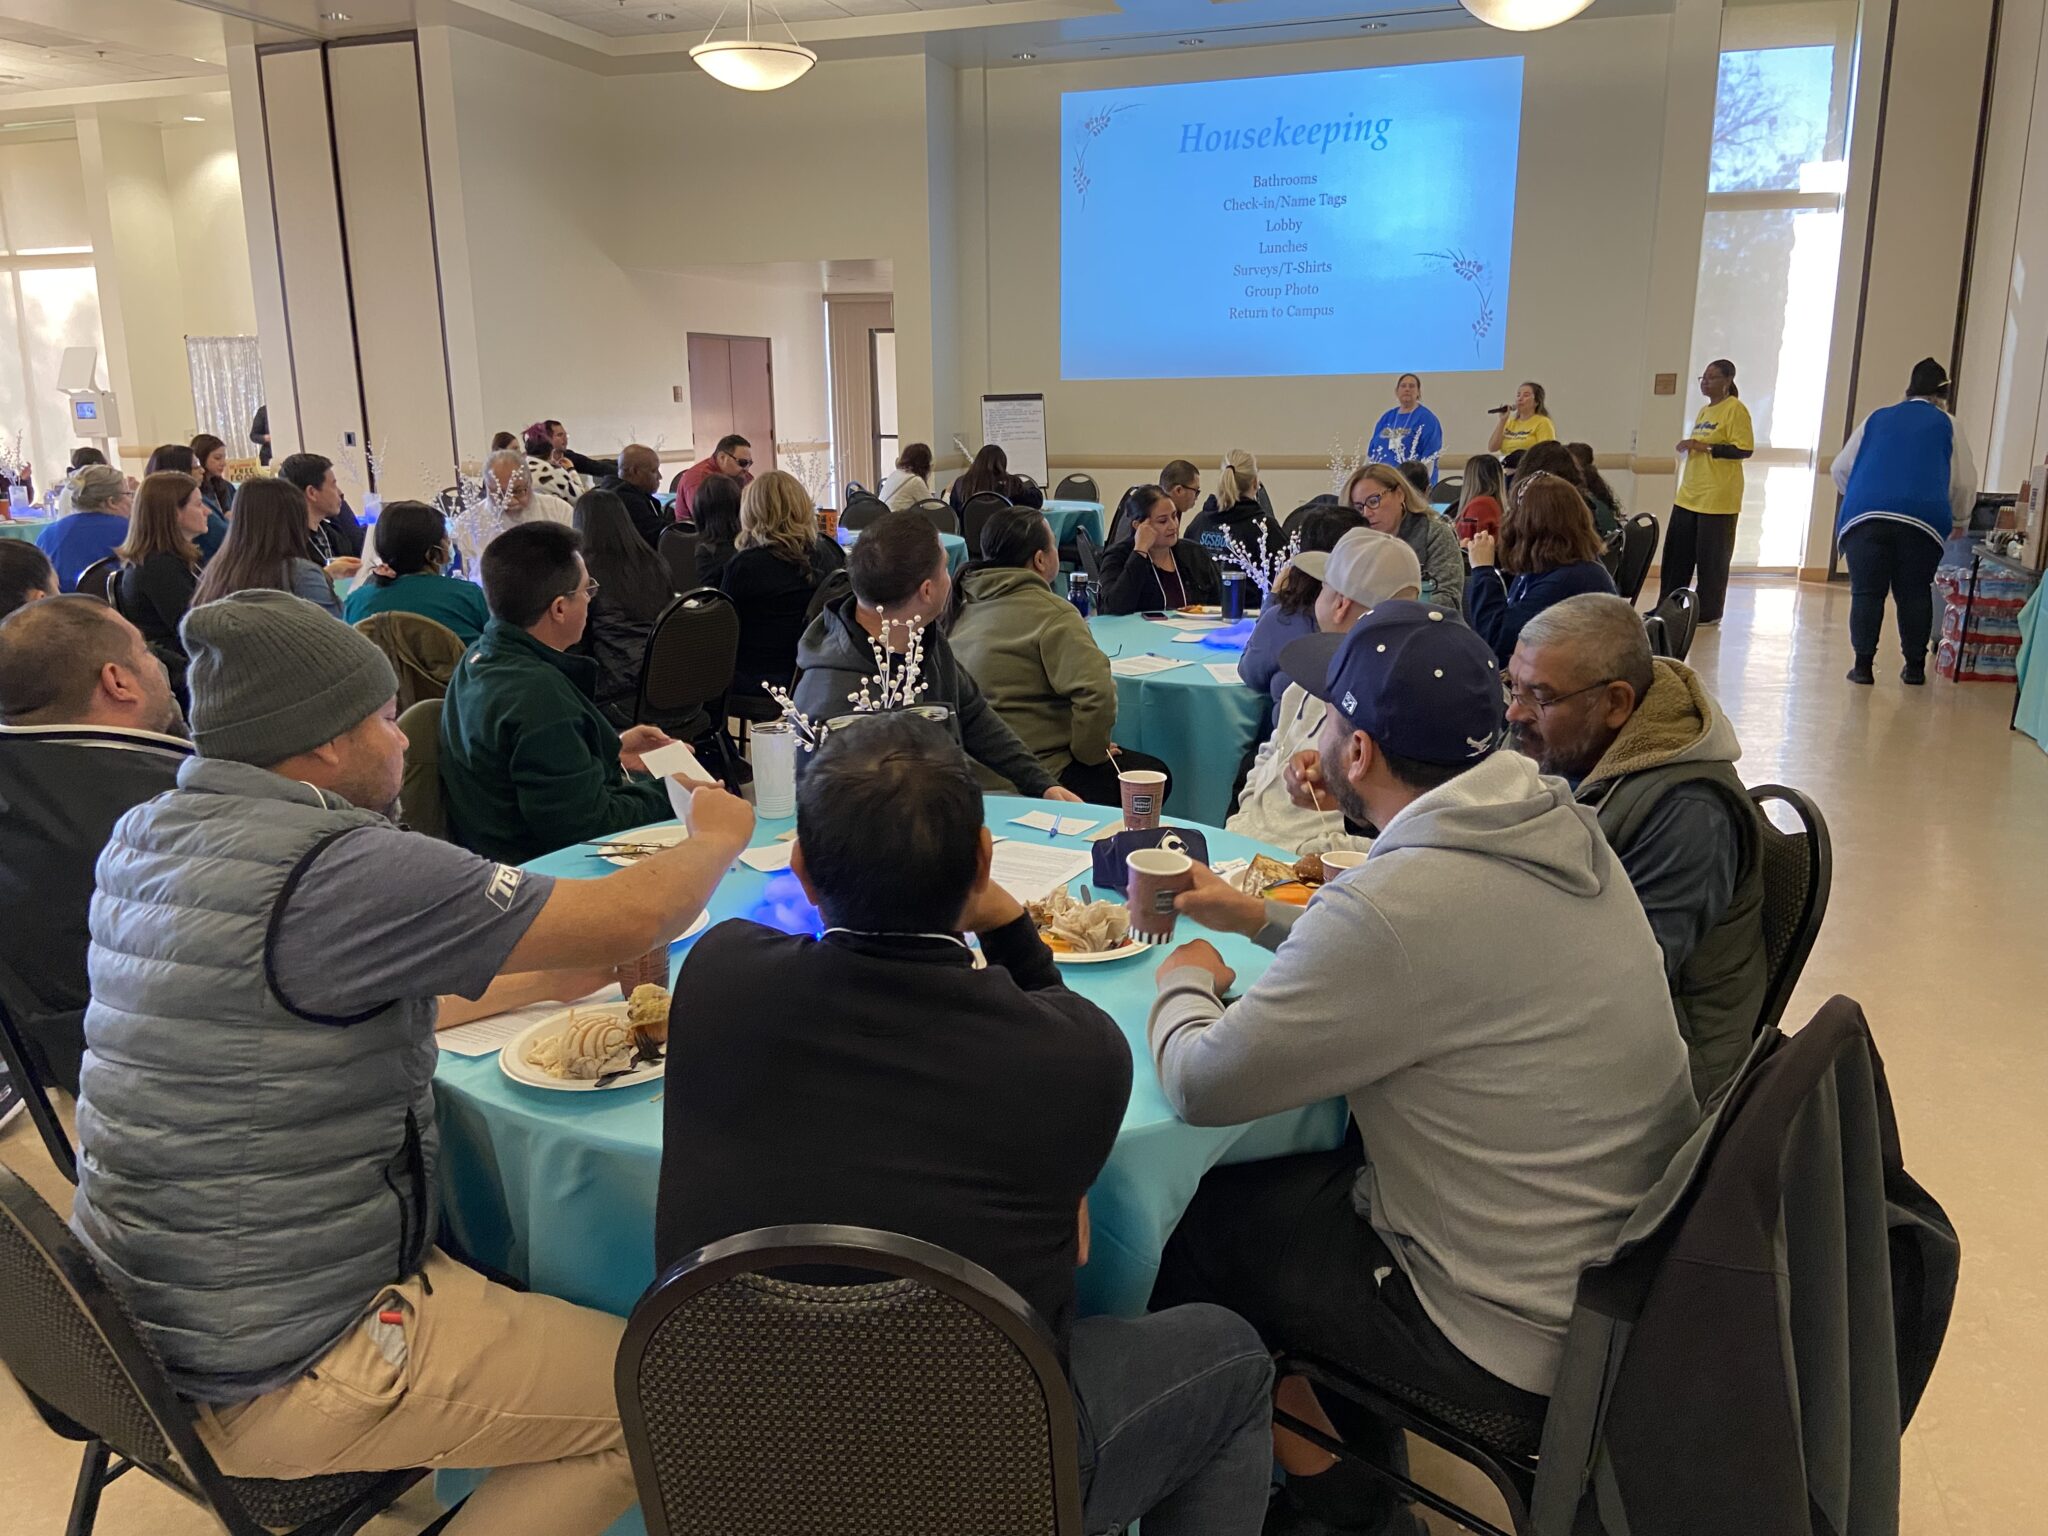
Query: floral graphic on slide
{"x": 1095, "y": 125}
{"x": 1472, "y": 270}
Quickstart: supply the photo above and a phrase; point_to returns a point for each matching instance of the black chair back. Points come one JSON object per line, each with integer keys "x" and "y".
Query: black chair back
{"x": 855, "y": 488}
{"x": 1658, "y": 636}
{"x": 689, "y": 660}
{"x": 1799, "y": 872}
{"x": 1077, "y": 488}
{"x": 678, "y": 550}
{"x": 1680, "y": 612}
{"x": 71, "y": 1345}
{"x": 1294, "y": 519}
{"x": 940, "y": 512}
{"x": 1638, "y": 548}
{"x": 1087, "y": 556}
{"x": 974, "y": 517}
{"x": 1120, "y": 520}
{"x": 1447, "y": 492}
{"x": 861, "y": 509}
{"x": 96, "y": 580}
{"x": 35, "y": 1096}
{"x": 836, "y": 587}
{"x": 927, "y": 1403}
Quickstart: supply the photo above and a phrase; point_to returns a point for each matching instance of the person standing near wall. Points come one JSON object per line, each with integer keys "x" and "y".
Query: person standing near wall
{"x": 1409, "y": 431}
{"x": 1907, "y": 482}
{"x": 1701, "y": 535}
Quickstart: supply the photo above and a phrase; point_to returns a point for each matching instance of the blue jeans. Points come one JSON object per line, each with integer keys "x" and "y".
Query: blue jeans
{"x": 1176, "y": 1417}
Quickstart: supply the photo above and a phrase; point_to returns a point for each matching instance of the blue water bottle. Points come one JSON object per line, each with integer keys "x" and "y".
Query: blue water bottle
{"x": 1233, "y": 594}
{"x": 1079, "y": 594}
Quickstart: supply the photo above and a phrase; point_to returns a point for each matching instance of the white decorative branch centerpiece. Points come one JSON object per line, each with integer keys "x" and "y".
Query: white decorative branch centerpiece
{"x": 1267, "y": 566}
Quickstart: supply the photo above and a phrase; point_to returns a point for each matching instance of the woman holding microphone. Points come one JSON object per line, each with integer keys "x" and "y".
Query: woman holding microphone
{"x": 1523, "y": 424}
{"x": 1701, "y": 532}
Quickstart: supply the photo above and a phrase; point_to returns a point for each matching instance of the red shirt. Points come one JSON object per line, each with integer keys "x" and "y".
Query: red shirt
{"x": 1479, "y": 515}
{"x": 696, "y": 475}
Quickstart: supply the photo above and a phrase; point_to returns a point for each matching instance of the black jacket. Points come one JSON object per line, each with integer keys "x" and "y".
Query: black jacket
{"x": 1748, "y": 1359}
{"x": 1131, "y": 585}
{"x": 1022, "y": 493}
{"x": 648, "y": 514}
{"x": 1242, "y": 522}
{"x": 62, "y": 788}
{"x": 774, "y": 599}
{"x": 616, "y": 639}
{"x": 592, "y": 470}
{"x": 835, "y": 658}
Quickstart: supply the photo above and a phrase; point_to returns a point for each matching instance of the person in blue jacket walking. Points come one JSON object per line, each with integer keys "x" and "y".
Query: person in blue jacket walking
{"x": 1907, "y": 481}
{"x": 1409, "y": 431}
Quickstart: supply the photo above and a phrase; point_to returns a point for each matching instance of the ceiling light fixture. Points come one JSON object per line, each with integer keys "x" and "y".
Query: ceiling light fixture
{"x": 195, "y": 119}
{"x": 335, "y": 16}
{"x": 1024, "y": 58}
{"x": 661, "y": 15}
{"x": 1191, "y": 42}
{"x": 754, "y": 64}
{"x": 1524, "y": 15}
{"x": 1372, "y": 26}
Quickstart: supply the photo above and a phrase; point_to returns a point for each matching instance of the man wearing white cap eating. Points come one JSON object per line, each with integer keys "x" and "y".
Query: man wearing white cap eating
{"x": 1363, "y": 569}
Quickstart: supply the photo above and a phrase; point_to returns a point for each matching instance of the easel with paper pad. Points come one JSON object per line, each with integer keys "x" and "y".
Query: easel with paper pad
{"x": 1016, "y": 424}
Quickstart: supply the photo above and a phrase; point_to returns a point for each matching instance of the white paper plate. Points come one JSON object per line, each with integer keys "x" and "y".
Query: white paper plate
{"x": 513, "y": 1063}
{"x": 1123, "y": 951}
{"x": 667, "y": 837}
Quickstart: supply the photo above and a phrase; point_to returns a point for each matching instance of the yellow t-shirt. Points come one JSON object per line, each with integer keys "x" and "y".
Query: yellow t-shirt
{"x": 1526, "y": 434}
{"x": 1710, "y": 484}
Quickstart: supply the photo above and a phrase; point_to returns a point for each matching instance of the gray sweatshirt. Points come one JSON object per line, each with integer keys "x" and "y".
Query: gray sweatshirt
{"x": 1487, "y": 993}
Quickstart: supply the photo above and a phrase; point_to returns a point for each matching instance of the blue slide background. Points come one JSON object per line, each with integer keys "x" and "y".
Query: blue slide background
{"x": 1153, "y": 264}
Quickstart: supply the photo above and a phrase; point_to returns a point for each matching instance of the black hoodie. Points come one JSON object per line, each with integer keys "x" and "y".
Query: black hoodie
{"x": 834, "y": 658}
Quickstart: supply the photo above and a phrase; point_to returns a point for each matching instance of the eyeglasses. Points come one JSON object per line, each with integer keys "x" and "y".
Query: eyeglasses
{"x": 1542, "y": 705}
{"x": 1370, "y": 503}
{"x": 586, "y": 591}
{"x": 744, "y": 463}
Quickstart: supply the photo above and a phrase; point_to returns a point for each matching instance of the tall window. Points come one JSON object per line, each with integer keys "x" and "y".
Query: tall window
{"x": 1772, "y": 243}
{"x": 49, "y": 297}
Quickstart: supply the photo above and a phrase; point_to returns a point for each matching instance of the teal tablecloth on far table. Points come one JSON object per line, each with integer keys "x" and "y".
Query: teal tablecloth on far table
{"x": 2030, "y": 710}
{"x": 956, "y": 547}
{"x": 558, "y": 1189}
{"x": 1200, "y": 726}
{"x": 1066, "y": 516}
{"x": 24, "y": 528}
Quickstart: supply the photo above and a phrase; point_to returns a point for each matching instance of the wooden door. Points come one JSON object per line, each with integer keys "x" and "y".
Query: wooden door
{"x": 732, "y": 389}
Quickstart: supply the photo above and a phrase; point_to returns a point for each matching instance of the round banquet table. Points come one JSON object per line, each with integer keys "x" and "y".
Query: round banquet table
{"x": 1200, "y": 724}
{"x": 1066, "y": 516}
{"x": 558, "y": 1189}
{"x": 956, "y": 547}
{"x": 28, "y": 528}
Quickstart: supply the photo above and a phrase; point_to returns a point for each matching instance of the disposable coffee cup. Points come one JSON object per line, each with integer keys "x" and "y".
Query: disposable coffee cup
{"x": 1339, "y": 860}
{"x": 1156, "y": 875}
{"x": 1144, "y": 792}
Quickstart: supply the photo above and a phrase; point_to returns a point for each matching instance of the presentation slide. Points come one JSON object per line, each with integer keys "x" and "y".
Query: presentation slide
{"x": 1355, "y": 221}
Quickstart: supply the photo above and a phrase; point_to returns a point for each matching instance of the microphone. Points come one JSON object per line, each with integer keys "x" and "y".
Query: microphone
{"x": 1500, "y": 410}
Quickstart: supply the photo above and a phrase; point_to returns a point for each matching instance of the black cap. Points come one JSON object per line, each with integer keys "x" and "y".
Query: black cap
{"x": 1929, "y": 381}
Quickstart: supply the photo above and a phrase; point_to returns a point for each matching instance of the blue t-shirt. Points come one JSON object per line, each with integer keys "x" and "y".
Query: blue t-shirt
{"x": 1401, "y": 435}
{"x": 74, "y": 542}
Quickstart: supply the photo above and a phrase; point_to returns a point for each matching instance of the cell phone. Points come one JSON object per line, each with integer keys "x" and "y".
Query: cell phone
{"x": 1153, "y": 613}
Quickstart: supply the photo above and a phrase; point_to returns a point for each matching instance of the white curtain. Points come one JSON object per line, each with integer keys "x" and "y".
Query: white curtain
{"x": 227, "y": 387}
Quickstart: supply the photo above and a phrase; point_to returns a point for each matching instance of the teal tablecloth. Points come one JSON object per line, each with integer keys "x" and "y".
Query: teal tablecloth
{"x": 24, "y": 528}
{"x": 2030, "y": 712}
{"x": 956, "y": 547}
{"x": 1066, "y": 516}
{"x": 558, "y": 1189}
{"x": 1200, "y": 726}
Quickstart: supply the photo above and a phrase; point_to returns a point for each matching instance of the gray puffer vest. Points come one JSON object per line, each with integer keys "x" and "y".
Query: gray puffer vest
{"x": 252, "y": 1177}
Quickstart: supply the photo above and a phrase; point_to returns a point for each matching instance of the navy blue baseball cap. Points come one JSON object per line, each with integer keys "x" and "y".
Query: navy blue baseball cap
{"x": 1412, "y": 678}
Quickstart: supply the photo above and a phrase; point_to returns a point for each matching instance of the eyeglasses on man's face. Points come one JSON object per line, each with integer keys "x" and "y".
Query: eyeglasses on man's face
{"x": 1540, "y": 703}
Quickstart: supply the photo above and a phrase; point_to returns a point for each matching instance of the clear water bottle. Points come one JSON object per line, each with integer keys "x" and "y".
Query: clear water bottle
{"x": 1081, "y": 593}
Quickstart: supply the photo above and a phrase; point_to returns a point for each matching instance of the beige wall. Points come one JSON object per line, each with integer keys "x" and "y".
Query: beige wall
{"x": 205, "y": 186}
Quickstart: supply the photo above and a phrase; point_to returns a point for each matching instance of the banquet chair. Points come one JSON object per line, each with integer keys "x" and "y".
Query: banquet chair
{"x": 1638, "y": 548}
{"x": 1087, "y": 556}
{"x": 1120, "y": 520}
{"x": 35, "y": 1095}
{"x": 70, "y": 1343}
{"x": 1077, "y": 488}
{"x": 861, "y": 509}
{"x": 421, "y": 651}
{"x": 1799, "y": 873}
{"x": 421, "y": 805}
{"x": 940, "y": 512}
{"x": 975, "y": 516}
{"x": 96, "y": 580}
{"x": 686, "y": 670}
{"x": 1680, "y": 612}
{"x": 836, "y": 587}
{"x": 928, "y": 1401}
{"x": 1655, "y": 632}
{"x": 678, "y": 551}
{"x": 1447, "y": 492}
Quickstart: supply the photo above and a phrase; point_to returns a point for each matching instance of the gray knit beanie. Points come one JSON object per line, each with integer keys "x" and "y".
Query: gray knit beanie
{"x": 273, "y": 675}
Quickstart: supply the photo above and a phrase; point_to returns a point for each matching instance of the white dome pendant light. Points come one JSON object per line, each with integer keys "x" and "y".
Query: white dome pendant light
{"x": 754, "y": 64}
{"x": 1524, "y": 15}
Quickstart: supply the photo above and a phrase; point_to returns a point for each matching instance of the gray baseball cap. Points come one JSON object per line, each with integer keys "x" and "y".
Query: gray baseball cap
{"x": 1366, "y": 566}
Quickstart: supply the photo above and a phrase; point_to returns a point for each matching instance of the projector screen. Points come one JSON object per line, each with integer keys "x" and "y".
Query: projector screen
{"x": 1356, "y": 221}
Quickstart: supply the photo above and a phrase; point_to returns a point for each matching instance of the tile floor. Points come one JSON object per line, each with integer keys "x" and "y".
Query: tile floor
{"x": 1940, "y": 825}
